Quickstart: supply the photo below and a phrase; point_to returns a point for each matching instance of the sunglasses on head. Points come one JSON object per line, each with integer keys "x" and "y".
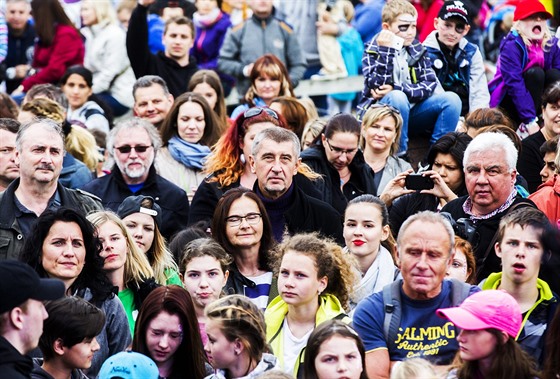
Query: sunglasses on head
{"x": 252, "y": 112}
{"x": 125, "y": 149}
{"x": 389, "y": 107}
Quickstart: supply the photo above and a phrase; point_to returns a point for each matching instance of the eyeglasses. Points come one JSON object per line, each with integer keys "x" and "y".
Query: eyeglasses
{"x": 383, "y": 105}
{"x": 126, "y": 149}
{"x": 252, "y": 112}
{"x": 404, "y": 27}
{"x": 339, "y": 151}
{"x": 459, "y": 26}
{"x": 251, "y": 218}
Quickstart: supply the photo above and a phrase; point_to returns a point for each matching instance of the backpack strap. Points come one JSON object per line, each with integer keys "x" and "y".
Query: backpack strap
{"x": 91, "y": 111}
{"x": 392, "y": 308}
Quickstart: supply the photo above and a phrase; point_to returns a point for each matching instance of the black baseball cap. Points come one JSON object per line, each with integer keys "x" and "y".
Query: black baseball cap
{"x": 133, "y": 204}
{"x": 454, "y": 9}
{"x": 19, "y": 283}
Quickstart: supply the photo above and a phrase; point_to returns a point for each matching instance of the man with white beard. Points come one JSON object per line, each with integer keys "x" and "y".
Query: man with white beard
{"x": 134, "y": 144}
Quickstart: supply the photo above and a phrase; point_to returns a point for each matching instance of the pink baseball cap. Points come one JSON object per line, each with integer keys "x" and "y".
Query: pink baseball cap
{"x": 486, "y": 309}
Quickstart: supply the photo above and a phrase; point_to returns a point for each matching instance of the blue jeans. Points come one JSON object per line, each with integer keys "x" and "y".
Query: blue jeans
{"x": 117, "y": 108}
{"x": 438, "y": 114}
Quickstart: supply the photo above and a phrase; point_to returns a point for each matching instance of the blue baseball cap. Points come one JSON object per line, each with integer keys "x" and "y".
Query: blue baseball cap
{"x": 129, "y": 365}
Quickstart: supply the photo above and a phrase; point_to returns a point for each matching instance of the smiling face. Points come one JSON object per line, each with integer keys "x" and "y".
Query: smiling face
{"x": 298, "y": 281}
{"x": 244, "y": 235}
{"x": 380, "y": 135}
{"x": 190, "y": 122}
{"x": 63, "y": 253}
{"x": 17, "y": 14}
{"x": 449, "y": 170}
{"x": 87, "y": 12}
{"x": 142, "y": 228}
{"x": 204, "y": 279}
{"x": 152, "y": 103}
{"x": 450, "y": 31}
{"x": 267, "y": 88}
{"x": 76, "y": 90}
{"x": 163, "y": 337}
{"x": 521, "y": 252}
{"x": 364, "y": 229}
{"x": 81, "y": 354}
{"x": 115, "y": 248}
{"x": 533, "y": 27}
{"x": 424, "y": 258}
{"x": 340, "y": 149}
{"x": 338, "y": 358}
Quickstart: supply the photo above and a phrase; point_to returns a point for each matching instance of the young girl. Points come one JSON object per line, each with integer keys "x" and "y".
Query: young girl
{"x": 204, "y": 269}
{"x": 314, "y": 281}
{"x": 334, "y": 351}
{"x": 366, "y": 231}
{"x": 529, "y": 62}
{"x": 166, "y": 332}
{"x": 490, "y": 321}
{"x": 236, "y": 344}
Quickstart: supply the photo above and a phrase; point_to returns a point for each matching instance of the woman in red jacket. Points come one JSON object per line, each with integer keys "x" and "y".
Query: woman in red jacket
{"x": 59, "y": 45}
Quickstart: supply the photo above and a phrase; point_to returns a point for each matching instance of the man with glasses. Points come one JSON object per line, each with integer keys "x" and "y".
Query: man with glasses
{"x": 133, "y": 144}
{"x": 275, "y": 161}
{"x": 39, "y": 152}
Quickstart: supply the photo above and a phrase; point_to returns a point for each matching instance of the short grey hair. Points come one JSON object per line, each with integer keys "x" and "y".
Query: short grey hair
{"x": 148, "y": 81}
{"x": 46, "y": 122}
{"x": 277, "y": 135}
{"x": 432, "y": 218}
{"x": 134, "y": 123}
{"x": 491, "y": 141}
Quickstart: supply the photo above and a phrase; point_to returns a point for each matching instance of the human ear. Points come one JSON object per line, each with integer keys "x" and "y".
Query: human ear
{"x": 385, "y": 232}
{"x": 498, "y": 249}
{"x": 58, "y": 346}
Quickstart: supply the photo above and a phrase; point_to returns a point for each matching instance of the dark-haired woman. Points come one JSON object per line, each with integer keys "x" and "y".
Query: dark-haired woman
{"x": 62, "y": 245}
{"x": 336, "y": 156}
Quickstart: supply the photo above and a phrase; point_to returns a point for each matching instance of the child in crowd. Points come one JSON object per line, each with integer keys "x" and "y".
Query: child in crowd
{"x": 457, "y": 62}
{"x": 529, "y": 62}
{"x": 68, "y": 340}
{"x": 490, "y": 321}
{"x": 398, "y": 72}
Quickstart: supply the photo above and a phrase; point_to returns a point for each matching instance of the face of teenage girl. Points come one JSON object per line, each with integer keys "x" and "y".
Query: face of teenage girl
{"x": 298, "y": 282}
{"x": 476, "y": 345}
{"x": 459, "y": 268}
{"x": 208, "y": 92}
{"x": 204, "y": 279}
{"x": 163, "y": 337}
{"x": 115, "y": 247}
{"x": 338, "y": 358}
{"x": 363, "y": 229}
{"x": 142, "y": 228}
{"x": 220, "y": 351}
{"x": 533, "y": 27}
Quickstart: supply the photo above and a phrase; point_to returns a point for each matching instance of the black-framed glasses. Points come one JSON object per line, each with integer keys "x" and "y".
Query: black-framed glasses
{"x": 251, "y": 218}
{"x": 255, "y": 111}
{"x": 126, "y": 149}
{"x": 339, "y": 151}
{"x": 383, "y": 105}
{"x": 404, "y": 27}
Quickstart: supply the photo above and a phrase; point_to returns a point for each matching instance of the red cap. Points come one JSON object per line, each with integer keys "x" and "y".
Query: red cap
{"x": 527, "y": 8}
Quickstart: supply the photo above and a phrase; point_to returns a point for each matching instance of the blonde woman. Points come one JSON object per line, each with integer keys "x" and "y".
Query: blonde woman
{"x": 126, "y": 267}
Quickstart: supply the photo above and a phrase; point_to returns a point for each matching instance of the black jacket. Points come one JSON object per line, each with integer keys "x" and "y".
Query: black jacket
{"x": 173, "y": 201}
{"x": 361, "y": 180}
{"x": 485, "y": 231}
{"x": 11, "y": 236}
{"x": 143, "y": 62}
{"x": 20, "y": 51}
{"x": 13, "y": 365}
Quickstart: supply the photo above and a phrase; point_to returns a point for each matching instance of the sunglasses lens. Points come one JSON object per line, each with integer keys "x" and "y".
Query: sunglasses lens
{"x": 141, "y": 149}
{"x": 124, "y": 149}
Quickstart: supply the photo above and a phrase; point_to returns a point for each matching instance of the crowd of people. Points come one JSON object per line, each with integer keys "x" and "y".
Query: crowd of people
{"x": 150, "y": 230}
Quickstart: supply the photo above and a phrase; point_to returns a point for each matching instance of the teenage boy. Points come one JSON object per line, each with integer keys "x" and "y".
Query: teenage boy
{"x": 520, "y": 248}
{"x": 398, "y": 72}
{"x": 457, "y": 62}
{"x": 68, "y": 341}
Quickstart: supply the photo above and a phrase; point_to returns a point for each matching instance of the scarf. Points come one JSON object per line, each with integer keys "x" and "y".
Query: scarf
{"x": 191, "y": 155}
{"x": 205, "y": 21}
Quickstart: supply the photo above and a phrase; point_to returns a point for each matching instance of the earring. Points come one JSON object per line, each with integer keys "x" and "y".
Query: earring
{"x": 242, "y": 158}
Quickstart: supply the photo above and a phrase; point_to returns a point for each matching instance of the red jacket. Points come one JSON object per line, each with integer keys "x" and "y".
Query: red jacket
{"x": 67, "y": 49}
{"x": 547, "y": 198}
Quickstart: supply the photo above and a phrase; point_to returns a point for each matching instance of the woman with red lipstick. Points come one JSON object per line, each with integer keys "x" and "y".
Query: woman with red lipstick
{"x": 314, "y": 281}
{"x": 127, "y": 268}
{"x": 167, "y": 332}
{"x": 241, "y": 226}
{"x": 336, "y": 156}
{"x": 368, "y": 238}
{"x": 188, "y": 132}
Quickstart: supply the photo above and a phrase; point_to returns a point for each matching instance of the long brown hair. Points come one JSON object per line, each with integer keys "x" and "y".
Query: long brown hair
{"x": 47, "y": 14}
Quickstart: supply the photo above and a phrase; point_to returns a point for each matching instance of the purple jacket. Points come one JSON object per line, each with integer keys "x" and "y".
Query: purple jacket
{"x": 509, "y": 74}
{"x": 208, "y": 42}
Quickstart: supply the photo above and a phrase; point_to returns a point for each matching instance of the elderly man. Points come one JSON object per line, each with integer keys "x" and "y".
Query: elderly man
{"x": 21, "y": 315}
{"x": 400, "y": 322}
{"x": 9, "y": 171}
{"x": 275, "y": 160}
{"x": 39, "y": 155}
{"x": 133, "y": 144}
{"x": 489, "y": 164}
{"x": 152, "y": 100}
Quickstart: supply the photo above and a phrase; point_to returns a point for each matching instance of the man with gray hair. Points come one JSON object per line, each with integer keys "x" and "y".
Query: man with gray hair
{"x": 39, "y": 155}
{"x": 490, "y": 172}
{"x": 134, "y": 144}
{"x": 275, "y": 160}
{"x": 400, "y": 322}
{"x": 152, "y": 100}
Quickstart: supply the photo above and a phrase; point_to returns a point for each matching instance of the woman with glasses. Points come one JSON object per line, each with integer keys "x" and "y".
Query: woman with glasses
{"x": 381, "y": 133}
{"x": 335, "y": 155}
{"x": 188, "y": 132}
{"x": 241, "y": 226}
{"x": 269, "y": 79}
{"x": 167, "y": 332}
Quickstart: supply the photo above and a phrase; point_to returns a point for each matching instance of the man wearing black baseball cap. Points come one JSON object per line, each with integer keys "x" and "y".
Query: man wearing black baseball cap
{"x": 21, "y": 315}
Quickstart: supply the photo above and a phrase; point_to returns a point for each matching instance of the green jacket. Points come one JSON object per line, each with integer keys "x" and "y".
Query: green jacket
{"x": 329, "y": 308}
